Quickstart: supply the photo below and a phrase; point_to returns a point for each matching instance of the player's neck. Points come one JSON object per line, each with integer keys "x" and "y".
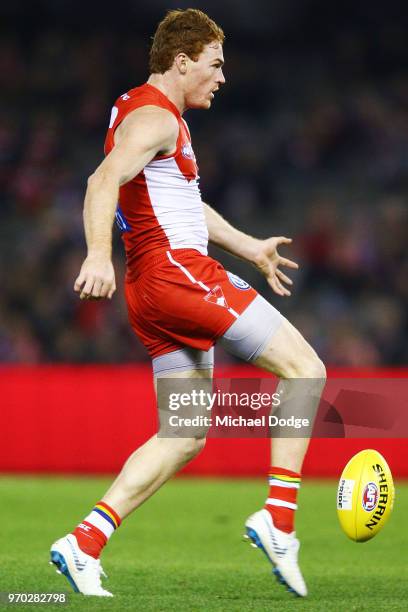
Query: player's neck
{"x": 169, "y": 89}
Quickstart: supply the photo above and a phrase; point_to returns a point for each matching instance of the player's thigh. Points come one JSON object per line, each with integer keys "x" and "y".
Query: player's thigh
{"x": 184, "y": 363}
{"x": 183, "y": 383}
{"x": 288, "y": 355}
{"x": 263, "y": 336}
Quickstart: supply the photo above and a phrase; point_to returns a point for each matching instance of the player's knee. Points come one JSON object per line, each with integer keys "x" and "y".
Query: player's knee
{"x": 308, "y": 365}
{"x": 312, "y": 367}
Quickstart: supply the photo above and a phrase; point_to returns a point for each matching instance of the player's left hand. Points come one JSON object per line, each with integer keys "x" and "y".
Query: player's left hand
{"x": 268, "y": 261}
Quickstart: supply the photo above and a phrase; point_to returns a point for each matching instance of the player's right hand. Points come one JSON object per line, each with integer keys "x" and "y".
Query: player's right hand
{"x": 96, "y": 279}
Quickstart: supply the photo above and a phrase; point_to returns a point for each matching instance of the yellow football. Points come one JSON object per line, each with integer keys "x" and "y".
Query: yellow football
{"x": 365, "y": 495}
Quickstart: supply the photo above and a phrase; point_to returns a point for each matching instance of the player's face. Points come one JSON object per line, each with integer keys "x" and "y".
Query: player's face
{"x": 204, "y": 77}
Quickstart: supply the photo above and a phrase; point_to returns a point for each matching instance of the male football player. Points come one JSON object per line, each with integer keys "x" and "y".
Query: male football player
{"x": 180, "y": 301}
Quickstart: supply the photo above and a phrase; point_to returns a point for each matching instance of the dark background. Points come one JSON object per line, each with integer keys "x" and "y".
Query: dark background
{"x": 308, "y": 138}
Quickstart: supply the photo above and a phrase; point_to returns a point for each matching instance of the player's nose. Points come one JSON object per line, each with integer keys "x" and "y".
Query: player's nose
{"x": 221, "y": 78}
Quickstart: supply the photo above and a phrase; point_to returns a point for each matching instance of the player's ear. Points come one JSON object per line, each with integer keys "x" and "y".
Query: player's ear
{"x": 180, "y": 61}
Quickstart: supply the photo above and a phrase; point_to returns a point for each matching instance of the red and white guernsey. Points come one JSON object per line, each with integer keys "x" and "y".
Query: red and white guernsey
{"x": 176, "y": 295}
{"x": 161, "y": 208}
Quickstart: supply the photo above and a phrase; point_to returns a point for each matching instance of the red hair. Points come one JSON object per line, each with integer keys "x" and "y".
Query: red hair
{"x": 182, "y": 31}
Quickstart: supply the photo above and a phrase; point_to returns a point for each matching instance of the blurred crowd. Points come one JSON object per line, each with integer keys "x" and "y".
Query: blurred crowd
{"x": 305, "y": 141}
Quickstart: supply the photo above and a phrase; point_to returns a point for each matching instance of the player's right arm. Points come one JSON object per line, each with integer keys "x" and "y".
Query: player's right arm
{"x": 144, "y": 133}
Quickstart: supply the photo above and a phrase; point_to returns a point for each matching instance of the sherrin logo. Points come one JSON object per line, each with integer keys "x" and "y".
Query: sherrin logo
{"x": 370, "y": 496}
{"x": 383, "y": 500}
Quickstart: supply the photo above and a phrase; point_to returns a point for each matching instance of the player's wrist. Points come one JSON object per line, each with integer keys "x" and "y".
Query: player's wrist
{"x": 99, "y": 254}
{"x": 249, "y": 248}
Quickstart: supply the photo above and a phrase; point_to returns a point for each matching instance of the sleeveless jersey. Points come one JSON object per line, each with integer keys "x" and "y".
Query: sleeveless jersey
{"x": 161, "y": 207}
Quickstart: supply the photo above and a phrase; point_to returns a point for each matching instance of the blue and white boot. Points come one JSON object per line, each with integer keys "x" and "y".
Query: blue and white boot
{"x": 82, "y": 571}
{"x": 281, "y": 549}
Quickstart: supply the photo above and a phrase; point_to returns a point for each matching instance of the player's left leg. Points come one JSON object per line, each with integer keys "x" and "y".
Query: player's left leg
{"x": 303, "y": 376}
{"x": 262, "y": 336}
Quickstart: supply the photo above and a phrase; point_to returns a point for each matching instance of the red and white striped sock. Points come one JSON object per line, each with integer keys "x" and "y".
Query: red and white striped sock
{"x": 96, "y": 529}
{"x": 281, "y": 502}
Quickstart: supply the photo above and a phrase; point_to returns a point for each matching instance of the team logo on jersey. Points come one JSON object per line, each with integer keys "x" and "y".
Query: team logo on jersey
{"x": 187, "y": 151}
{"x": 120, "y": 220}
{"x": 216, "y": 296}
{"x": 238, "y": 282}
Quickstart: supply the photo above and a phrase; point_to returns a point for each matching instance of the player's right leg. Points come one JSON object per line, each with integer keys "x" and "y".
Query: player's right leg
{"x": 167, "y": 452}
{"x": 77, "y": 554}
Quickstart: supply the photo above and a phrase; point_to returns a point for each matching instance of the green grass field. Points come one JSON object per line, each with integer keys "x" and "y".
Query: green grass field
{"x": 183, "y": 550}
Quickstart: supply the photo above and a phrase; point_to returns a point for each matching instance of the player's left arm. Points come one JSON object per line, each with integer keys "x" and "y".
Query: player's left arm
{"x": 263, "y": 254}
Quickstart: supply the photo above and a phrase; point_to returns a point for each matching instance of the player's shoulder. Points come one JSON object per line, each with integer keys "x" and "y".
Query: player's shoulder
{"x": 152, "y": 117}
{"x": 149, "y": 126}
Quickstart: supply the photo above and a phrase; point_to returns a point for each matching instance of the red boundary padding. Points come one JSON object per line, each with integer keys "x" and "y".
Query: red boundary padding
{"x": 88, "y": 419}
